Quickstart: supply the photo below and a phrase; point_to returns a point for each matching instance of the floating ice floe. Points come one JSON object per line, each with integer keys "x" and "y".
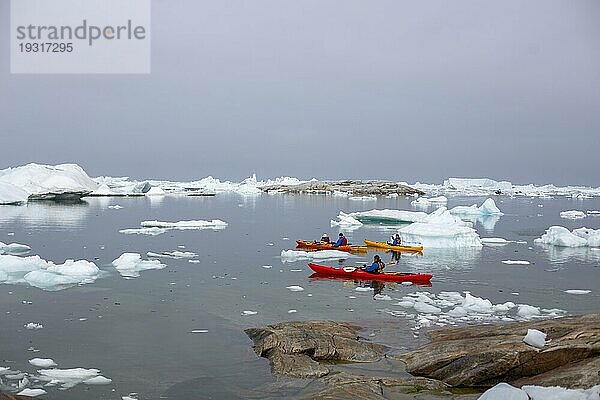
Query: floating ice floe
{"x": 46, "y": 275}
{"x": 516, "y": 262}
{"x": 577, "y": 291}
{"x": 130, "y": 265}
{"x": 295, "y": 288}
{"x": 154, "y": 231}
{"x": 504, "y": 391}
{"x": 173, "y": 254}
{"x": 14, "y": 248}
{"x": 391, "y": 216}
{"x": 561, "y": 236}
{"x": 452, "y": 308}
{"x": 68, "y": 378}
{"x": 440, "y": 229}
{"x": 487, "y": 208}
{"x": 572, "y": 214}
{"x": 363, "y": 198}
{"x": 495, "y": 241}
{"x": 297, "y": 255}
{"x": 248, "y": 312}
{"x": 115, "y": 207}
{"x": 346, "y": 221}
{"x": 42, "y": 362}
{"x": 33, "y": 326}
{"x": 32, "y": 392}
{"x": 215, "y": 224}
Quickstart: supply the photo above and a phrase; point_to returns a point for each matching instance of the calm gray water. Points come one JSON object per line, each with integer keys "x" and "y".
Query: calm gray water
{"x": 137, "y": 331}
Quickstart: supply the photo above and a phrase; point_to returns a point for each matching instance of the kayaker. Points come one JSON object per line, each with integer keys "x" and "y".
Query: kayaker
{"x": 342, "y": 241}
{"x": 377, "y": 266}
{"x": 396, "y": 240}
{"x": 325, "y": 238}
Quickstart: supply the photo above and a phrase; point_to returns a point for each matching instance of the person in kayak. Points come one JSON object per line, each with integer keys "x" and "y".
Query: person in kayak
{"x": 325, "y": 238}
{"x": 395, "y": 240}
{"x": 342, "y": 241}
{"x": 375, "y": 268}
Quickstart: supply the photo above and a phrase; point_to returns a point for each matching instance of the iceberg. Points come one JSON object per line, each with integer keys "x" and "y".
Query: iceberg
{"x": 68, "y": 378}
{"x": 14, "y": 248}
{"x": 48, "y": 182}
{"x": 495, "y": 241}
{"x": 561, "y": 236}
{"x": 487, "y": 208}
{"x": 425, "y": 202}
{"x": 215, "y": 224}
{"x": 12, "y": 195}
{"x": 44, "y": 274}
{"x": 297, "y": 255}
{"x": 440, "y": 229}
{"x": 572, "y": 214}
{"x": 130, "y": 265}
{"x": 389, "y": 216}
{"x": 346, "y": 221}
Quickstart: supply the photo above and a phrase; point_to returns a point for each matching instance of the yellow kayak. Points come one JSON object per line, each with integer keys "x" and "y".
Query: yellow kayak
{"x": 384, "y": 245}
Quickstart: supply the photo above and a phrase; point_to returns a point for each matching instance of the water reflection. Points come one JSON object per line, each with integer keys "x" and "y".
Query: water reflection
{"x": 487, "y": 222}
{"x": 57, "y": 215}
{"x": 563, "y": 255}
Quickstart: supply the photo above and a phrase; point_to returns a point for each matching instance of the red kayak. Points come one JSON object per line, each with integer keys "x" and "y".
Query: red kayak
{"x": 355, "y": 273}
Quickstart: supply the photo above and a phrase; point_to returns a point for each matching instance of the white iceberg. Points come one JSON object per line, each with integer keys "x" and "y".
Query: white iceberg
{"x": 130, "y": 265}
{"x": 12, "y": 195}
{"x": 67, "y": 378}
{"x": 48, "y": 181}
{"x": 488, "y": 207}
{"x": 440, "y": 229}
{"x": 295, "y": 288}
{"x": 578, "y": 291}
{"x": 346, "y": 221}
{"x": 46, "y": 275}
{"x": 155, "y": 191}
{"x": 33, "y": 392}
{"x": 572, "y": 214}
{"x": 42, "y": 362}
{"x": 14, "y": 248}
{"x": 215, "y": 224}
{"x": 495, "y": 241}
{"x": 392, "y": 216}
{"x": 561, "y": 236}
{"x": 504, "y": 391}
{"x": 560, "y": 393}
{"x": 297, "y": 255}
{"x": 425, "y": 202}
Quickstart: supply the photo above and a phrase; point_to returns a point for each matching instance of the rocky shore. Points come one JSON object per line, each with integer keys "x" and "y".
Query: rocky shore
{"x": 350, "y": 187}
{"x": 457, "y": 363}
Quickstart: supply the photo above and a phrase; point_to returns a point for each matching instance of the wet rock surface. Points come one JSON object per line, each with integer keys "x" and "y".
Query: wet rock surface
{"x": 485, "y": 355}
{"x": 352, "y": 187}
{"x": 14, "y": 397}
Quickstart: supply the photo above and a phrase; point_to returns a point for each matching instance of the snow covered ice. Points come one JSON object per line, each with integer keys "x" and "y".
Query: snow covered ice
{"x": 488, "y": 207}
{"x": 14, "y": 248}
{"x": 346, "y": 221}
{"x": 130, "y": 265}
{"x": 504, "y": 391}
{"x": 573, "y": 214}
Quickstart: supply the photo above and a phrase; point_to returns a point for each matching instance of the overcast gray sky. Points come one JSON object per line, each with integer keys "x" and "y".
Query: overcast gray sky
{"x": 418, "y": 90}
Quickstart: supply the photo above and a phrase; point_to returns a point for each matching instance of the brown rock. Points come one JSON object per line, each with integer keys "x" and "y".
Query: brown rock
{"x": 486, "y": 355}
{"x": 295, "y": 348}
{"x": 355, "y": 187}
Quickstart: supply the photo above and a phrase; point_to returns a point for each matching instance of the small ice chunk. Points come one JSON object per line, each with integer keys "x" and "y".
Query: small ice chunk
{"x": 292, "y": 311}
{"x": 32, "y": 392}
{"x": 215, "y": 224}
{"x": 248, "y": 312}
{"x": 267, "y": 266}
{"x": 68, "y": 378}
{"x": 382, "y": 297}
{"x": 535, "y": 338}
{"x": 32, "y": 326}
{"x": 572, "y": 214}
{"x": 426, "y": 308}
{"x": 115, "y": 207}
{"x": 516, "y": 262}
{"x": 154, "y": 231}
{"x": 42, "y": 362}
{"x": 494, "y": 241}
{"x": 296, "y": 255}
{"x": 130, "y": 264}
{"x": 363, "y": 289}
{"x": 98, "y": 380}
{"x": 295, "y": 288}
{"x": 199, "y": 331}
{"x": 577, "y": 291}
{"x": 504, "y": 391}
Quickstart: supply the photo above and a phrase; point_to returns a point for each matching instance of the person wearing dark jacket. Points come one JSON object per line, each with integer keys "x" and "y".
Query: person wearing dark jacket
{"x": 342, "y": 241}
{"x": 377, "y": 266}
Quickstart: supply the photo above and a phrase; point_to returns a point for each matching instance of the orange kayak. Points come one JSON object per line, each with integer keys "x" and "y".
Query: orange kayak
{"x": 305, "y": 244}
